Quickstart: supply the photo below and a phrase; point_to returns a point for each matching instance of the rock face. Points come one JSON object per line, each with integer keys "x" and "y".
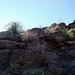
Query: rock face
{"x": 62, "y": 25}
{"x": 72, "y": 25}
{"x": 43, "y": 42}
{"x": 53, "y": 25}
{"x": 4, "y": 60}
{"x": 51, "y": 58}
{"x": 27, "y": 59}
{"x": 39, "y": 51}
{"x": 6, "y": 51}
{"x": 5, "y": 36}
{"x": 11, "y": 51}
{"x": 71, "y": 43}
{"x": 52, "y": 43}
{"x": 6, "y": 44}
{"x": 35, "y": 32}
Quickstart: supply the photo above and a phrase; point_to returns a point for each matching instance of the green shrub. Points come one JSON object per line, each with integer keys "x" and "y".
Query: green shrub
{"x": 14, "y": 28}
{"x": 13, "y": 68}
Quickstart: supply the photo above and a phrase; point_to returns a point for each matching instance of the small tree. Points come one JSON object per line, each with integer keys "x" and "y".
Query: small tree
{"x": 14, "y": 28}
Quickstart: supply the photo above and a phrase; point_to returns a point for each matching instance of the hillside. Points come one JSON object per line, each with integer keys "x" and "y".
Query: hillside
{"x": 51, "y": 50}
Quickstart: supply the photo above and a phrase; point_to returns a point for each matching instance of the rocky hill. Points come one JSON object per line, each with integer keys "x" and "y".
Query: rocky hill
{"x": 50, "y": 49}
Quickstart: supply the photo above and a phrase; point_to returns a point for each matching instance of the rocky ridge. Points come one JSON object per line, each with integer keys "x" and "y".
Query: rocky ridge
{"x": 38, "y": 51}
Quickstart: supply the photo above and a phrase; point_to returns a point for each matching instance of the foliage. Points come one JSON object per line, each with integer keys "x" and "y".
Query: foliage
{"x": 14, "y": 28}
{"x": 71, "y": 33}
{"x": 13, "y": 68}
{"x": 57, "y": 32}
{"x": 48, "y": 31}
{"x": 33, "y": 72}
{"x": 61, "y": 34}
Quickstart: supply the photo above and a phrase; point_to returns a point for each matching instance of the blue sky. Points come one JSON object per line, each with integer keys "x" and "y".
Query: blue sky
{"x": 36, "y": 13}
